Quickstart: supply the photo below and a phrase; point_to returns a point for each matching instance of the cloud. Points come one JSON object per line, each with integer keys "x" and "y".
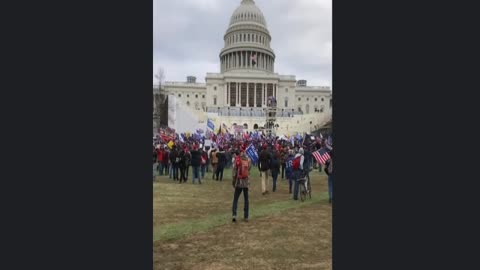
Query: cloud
{"x": 188, "y": 37}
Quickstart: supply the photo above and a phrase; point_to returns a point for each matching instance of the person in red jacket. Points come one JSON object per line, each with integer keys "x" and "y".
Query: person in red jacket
{"x": 160, "y": 167}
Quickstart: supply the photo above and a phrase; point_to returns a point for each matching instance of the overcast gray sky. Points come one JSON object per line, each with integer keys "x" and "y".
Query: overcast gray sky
{"x": 188, "y": 37}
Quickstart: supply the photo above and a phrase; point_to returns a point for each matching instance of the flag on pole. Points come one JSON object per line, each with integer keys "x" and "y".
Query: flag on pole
{"x": 252, "y": 153}
{"x": 321, "y": 156}
{"x": 210, "y": 124}
{"x": 171, "y": 144}
{"x": 254, "y": 58}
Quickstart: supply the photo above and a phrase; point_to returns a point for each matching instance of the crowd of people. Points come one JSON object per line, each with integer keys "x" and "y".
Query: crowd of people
{"x": 287, "y": 159}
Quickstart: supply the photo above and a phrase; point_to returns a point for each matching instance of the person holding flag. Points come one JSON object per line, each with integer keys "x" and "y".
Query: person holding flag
{"x": 264, "y": 167}
{"x": 329, "y": 172}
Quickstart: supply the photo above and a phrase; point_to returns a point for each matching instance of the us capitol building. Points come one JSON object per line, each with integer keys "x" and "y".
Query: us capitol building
{"x": 240, "y": 93}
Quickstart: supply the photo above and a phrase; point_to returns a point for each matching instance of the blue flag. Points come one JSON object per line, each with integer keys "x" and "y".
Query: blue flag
{"x": 252, "y": 153}
{"x": 210, "y": 124}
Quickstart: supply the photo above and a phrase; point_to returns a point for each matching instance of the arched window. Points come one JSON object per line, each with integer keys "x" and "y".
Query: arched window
{"x": 299, "y": 99}
{"x": 308, "y": 99}
{"x": 316, "y": 99}
{"x": 188, "y": 103}
{"x": 214, "y": 100}
{"x": 322, "y": 99}
{"x": 245, "y": 126}
{"x": 299, "y": 108}
{"x": 307, "y": 108}
{"x": 255, "y": 126}
{"x": 196, "y": 96}
{"x": 286, "y": 102}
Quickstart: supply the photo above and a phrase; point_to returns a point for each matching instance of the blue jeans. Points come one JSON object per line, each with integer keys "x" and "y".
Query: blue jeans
{"x": 160, "y": 168}
{"x": 176, "y": 175}
{"x": 274, "y": 178}
{"x": 235, "y": 201}
{"x": 202, "y": 170}
{"x": 330, "y": 187}
{"x": 196, "y": 174}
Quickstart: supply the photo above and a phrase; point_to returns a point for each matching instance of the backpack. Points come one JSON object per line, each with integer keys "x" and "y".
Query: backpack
{"x": 296, "y": 163}
{"x": 214, "y": 158}
{"x": 243, "y": 169}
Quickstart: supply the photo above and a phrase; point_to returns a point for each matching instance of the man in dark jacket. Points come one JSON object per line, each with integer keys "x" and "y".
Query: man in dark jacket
{"x": 283, "y": 158}
{"x": 181, "y": 163}
{"x": 222, "y": 162}
{"x": 196, "y": 162}
{"x": 264, "y": 167}
{"x": 174, "y": 161}
{"x": 275, "y": 168}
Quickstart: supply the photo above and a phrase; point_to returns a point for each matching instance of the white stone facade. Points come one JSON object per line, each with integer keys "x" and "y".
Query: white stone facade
{"x": 239, "y": 92}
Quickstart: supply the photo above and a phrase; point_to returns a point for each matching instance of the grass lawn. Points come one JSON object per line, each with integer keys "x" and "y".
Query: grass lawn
{"x": 193, "y": 228}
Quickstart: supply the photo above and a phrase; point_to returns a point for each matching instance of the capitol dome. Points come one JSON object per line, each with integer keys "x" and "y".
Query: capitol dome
{"x": 247, "y": 41}
{"x": 248, "y": 12}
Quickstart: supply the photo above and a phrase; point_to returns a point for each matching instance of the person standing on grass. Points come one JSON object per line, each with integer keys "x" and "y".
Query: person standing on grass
{"x": 175, "y": 162}
{"x": 187, "y": 161}
{"x": 264, "y": 167}
{"x": 235, "y": 161}
{"x": 289, "y": 170}
{"x": 222, "y": 162}
{"x": 196, "y": 162}
{"x": 298, "y": 171}
{"x": 283, "y": 157}
{"x": 329, "y": 172}
{"x": 203, "y": 163}
{"x": 241, "y": 183}
{"x": 166, "y": 160}
{"x": 214, "y": 159}
{"x": 160, "y": 161}
{"x": 275, "y": 168}
{"x": 182, "y": 165}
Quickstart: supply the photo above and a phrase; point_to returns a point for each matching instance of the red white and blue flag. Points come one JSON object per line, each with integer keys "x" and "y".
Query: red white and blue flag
{"x": 321, "y": 156}
{"x": 254, "y": 58}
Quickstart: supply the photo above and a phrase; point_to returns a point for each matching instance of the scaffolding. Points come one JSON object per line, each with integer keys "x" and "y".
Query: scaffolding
{"x": 271, "y": 117}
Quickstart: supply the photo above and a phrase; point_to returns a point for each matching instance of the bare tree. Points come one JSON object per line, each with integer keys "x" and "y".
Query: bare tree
{"x": 160, "y": 76}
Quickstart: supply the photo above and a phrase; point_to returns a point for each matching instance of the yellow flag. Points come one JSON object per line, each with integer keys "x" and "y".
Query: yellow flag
{"x": 170, "y": 144}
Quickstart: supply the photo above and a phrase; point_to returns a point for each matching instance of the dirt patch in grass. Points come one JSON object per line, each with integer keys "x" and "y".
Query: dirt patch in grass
{"x": 295, "y": 239}
{"x": 193, "y": 229}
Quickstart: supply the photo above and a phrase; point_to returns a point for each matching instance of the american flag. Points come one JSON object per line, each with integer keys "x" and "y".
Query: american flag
{"x": 254, "y": 59}
{"x": 321, "y": 156}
